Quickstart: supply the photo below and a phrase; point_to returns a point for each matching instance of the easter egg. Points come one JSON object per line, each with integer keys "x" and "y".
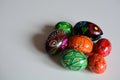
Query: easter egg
{"x": 103, "y": 47}
{"x": 81, "y": 43}
{"x": 73, "y": 59}
{"x": 57, "y": 40}
{"x": 65, "y": 26}
{"x": 88, "y": 29}
{"x": 97, "y": 63}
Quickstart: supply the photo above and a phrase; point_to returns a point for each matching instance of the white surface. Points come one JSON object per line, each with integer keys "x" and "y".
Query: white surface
{"x": 22, "y": 22}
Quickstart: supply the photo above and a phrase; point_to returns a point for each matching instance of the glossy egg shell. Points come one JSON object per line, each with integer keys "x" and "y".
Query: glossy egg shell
{"x": 88, "y": 29}
{"x": 73, "y": 59}
{"x": 65, "y": 26}
{"x": 103, "y": 47}
{"x": 97, "y": 63}
{"x": 57, "y": 40}
{"x": 81, "y": 43}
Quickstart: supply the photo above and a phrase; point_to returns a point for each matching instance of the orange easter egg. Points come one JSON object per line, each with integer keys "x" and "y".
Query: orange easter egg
{"x": 81, "y": 43}
{"x": 97, "y": 63}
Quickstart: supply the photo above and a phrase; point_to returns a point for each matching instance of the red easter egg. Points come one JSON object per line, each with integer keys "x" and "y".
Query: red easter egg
{"x": 97, "y": 63}
{"x": 103, "y": 47}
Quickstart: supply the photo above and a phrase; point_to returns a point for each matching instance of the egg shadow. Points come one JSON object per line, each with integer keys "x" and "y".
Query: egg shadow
{"x": 39, "y": 41}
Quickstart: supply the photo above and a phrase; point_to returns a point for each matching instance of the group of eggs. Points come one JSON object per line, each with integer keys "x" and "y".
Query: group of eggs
{"x": 80, "y": 47}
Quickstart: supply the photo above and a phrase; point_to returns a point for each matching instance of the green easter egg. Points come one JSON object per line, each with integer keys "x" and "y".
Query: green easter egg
{"x": 73, "y": 59}
{"x": 65, "y": 26}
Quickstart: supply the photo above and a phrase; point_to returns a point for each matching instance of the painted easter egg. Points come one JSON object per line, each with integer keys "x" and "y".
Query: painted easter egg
{"x": 103, "y": 47}
{"x": 88, "y": 29}
{"x": 73, "y": 59}
{"x": 65, "y": 26}
{"x": 57, "y": 40}
{"x": 81, "y": 43}
{"x": 97, "y": 63}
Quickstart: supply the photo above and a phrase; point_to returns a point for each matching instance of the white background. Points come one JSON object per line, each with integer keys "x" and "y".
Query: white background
{"x": 25, "y": 25}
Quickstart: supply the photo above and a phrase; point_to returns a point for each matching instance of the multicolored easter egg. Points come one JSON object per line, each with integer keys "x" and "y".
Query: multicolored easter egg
{"x": 88, "y": 29}
{"x": 73, "y": 59}
{"x": 81, "y": 43}
{"x": 56, "y": 41}
{"x": 103, "y": 47}
{"x": 97, "y": 63}
{"x": 65, "y": 26}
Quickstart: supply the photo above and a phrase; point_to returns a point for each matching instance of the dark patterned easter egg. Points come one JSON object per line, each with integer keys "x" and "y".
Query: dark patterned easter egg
{"x": 88, "y": 29}
{"x": 56, "y": 41}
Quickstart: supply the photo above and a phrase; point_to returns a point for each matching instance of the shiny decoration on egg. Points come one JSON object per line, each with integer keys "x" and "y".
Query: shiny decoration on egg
{"x": 88, "y": 29}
